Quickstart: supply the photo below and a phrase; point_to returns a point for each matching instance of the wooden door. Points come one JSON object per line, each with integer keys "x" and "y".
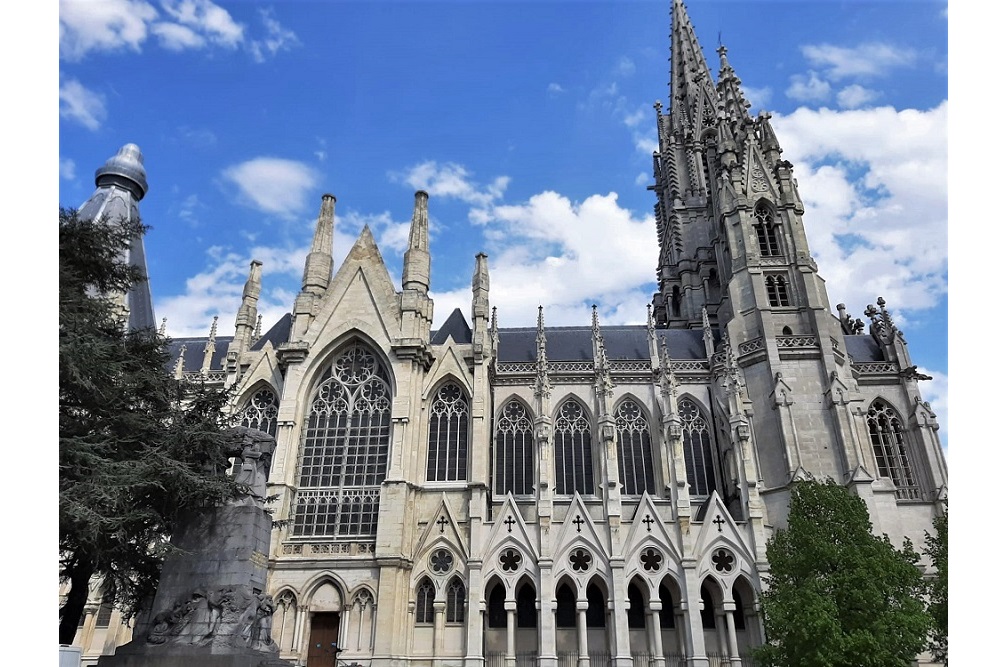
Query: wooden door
{"x": 322, "y": 638}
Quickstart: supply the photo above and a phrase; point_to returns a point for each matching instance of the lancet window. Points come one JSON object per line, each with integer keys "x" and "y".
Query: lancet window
{"x": 514, "y": 451}
{"x": 345, "y": 450}
{"x": 886, "y": 431}
{"x": 573, "y": 457}
{"x": 777, "y": 289}
{"x": 425, "y": 602}
{"x": 635, "y": 451}
{"x": 260, "y": 412}
{"x": 455, "y": 608}
{"x": 698, "y": 459}
{"x": 767, "y": 231}
{"x": 448, "y": 443}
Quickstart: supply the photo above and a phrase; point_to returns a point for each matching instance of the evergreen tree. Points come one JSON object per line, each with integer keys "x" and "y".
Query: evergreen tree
{"x": 136, "y": 448}
{"x": 837, "y": 596}
{"x": 936, "y": 550}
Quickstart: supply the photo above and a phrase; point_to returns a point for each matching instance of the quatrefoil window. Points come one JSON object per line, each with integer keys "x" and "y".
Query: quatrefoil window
{"x": 510, "y": 560}
{"x": 651, "y": 560}
{"x": 723, "y": 560}
{"x": 580, "y": 560}
{"x": 441, "y": 561}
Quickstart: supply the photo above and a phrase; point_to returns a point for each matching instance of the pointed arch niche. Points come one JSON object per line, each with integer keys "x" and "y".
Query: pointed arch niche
{"x": 344, "y": 454}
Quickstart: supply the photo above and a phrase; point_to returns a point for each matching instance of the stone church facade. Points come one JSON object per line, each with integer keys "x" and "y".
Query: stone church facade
{"x": 467, "y": 494}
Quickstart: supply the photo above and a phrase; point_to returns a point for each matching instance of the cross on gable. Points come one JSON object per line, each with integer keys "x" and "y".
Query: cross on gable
{"x": 579, "y": 522}
{"x": 649, "y": 523}
{"x": 442, "y": 522}
{"x": 509, "y": 521}
{"x": 718, "y": 521}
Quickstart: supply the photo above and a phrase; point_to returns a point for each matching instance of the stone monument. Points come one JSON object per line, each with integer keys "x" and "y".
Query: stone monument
{"x": 210, "y": 609}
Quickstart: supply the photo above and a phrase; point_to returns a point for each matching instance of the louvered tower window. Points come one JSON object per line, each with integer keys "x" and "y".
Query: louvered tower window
{"x": 455, "y": 606}
{"x": 448, "y": 443}
{"x": 886, "y": 431}
{"x": 260, "y": 412}
{"x": 514, "y": 451}
{"x": 345, "y": 451}
{"x": 698, "y": 458}
{"x": 635, "y": 452}
{"x": 573, "y": 457}
{"x": 767, "y": 231}
{"x": 777, "y": 289}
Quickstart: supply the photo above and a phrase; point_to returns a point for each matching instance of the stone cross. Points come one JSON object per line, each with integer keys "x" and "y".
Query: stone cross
{"x": 442, "y": 522}
{"x": 718, "y": 522}
{"x": 579, "y": 522}
{"x": 649, "y": 523}
{"x": 510, "y": 523}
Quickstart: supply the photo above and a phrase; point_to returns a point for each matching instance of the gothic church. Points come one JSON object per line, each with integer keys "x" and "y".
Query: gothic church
{"x": 459, "y": 494}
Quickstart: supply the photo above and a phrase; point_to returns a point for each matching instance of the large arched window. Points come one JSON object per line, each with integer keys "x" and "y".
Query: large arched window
{"x": 698, "y": 460}
{"x": 514, "y": 451}
{"x": 425, "y": 602}
{"x": 448, "y": 442}
{"x": 345, "y": 451}
{"x": 777, "y": 289}
{"x": 886, "y": 431}
{"x": 455, "y": 611}
{"x": 260, "y": 412}
{"x": 574, "y": 460}
{"x": 635, "y": 452}
{"x": 767, "y": 231}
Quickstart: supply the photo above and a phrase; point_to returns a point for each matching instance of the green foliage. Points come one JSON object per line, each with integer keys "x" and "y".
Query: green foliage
{"x": 136, "y": 449}
{"x": 936, "y": 549}
{"x": 837, "y": 595}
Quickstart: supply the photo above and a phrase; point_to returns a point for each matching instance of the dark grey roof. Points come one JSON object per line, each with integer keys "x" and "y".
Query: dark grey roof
{"x": 456, "y": 327}
{"x": 620, "y": 342}
{"x": 277, "y": 334}
{"x": 194, "y": 355}
{"x": 863, "y": 348}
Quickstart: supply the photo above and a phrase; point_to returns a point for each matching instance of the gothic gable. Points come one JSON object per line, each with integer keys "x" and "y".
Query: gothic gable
{"x": 719, "y": 545}
{"x": 264, "y": 370}
{"x": 441, "y": 531}
{"x": 448, "y": 363}
{"x": 758, "y": 181}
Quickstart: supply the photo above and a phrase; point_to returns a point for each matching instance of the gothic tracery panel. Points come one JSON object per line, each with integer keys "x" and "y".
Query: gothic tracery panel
{"x": 635, "y": 452}
{"x": 448, "y": 441}
{"x": 260, "y": 412}
{"x": 514, "y": 452}
{"x": 891, "y": 456}
{"x": 573, "y": 456}
{"x": 698, "y": 458}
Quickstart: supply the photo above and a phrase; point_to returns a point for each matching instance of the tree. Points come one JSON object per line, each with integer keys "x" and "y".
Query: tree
{"x": 837, "y": 595}
{"x": 137, "y": 449}
{"x": 936, "y": 549}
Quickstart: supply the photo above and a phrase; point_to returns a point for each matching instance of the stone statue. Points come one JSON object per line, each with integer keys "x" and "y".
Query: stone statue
{"x": 253, "y": 450}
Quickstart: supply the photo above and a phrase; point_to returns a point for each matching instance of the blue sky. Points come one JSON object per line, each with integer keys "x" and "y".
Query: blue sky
{"x": 531, "y": 125}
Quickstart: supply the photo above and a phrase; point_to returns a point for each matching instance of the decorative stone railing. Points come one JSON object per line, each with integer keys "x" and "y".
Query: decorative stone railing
{"x": 327, "y": 548}
{"x": 796, "y": 341}
{"x": 876, "y": 368}
{"x": 209, "y": 376}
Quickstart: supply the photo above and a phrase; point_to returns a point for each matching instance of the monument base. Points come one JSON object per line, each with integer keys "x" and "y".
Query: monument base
{"x": 184, "y": 656}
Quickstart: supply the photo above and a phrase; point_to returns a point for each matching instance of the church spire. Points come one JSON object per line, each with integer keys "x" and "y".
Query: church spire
{"x": 693, "y": 99}
{"x": 319, "y": 262}
{"x": 733, "y": 105}
{"x": 417, "y": 260}
{"x": 246, "y": 317}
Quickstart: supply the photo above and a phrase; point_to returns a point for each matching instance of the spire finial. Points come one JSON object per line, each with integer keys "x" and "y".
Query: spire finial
{"x": 417, "y": 259}
{"x": 257, "y": 330}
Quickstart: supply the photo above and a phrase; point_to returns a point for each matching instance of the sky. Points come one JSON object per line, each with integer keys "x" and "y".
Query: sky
{"x": 531, "y": 126}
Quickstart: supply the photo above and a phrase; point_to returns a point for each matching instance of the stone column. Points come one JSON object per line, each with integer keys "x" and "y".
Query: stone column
{"x": 87, "y": 635}
{"x": 720, "y": 633}
{"x": 694, "y": 638}
{"x": 679, "y": 624}
{"x": 346, "y": 643}
{"x": 474, "y": 629}
{"x": 655, "y": 607}
{"x": 734, "y": 651}
{"x": 298, "y": 637}
{"x": 439, "y": 607}
{"x": 583, "y": 660}
{"x": 511, "y": 607}
{"x": 546, "y": 616}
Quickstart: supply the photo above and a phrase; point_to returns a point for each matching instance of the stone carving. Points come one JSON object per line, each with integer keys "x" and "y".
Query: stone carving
{"x": 252, "y": 450}
{"x": 230, "y": 617}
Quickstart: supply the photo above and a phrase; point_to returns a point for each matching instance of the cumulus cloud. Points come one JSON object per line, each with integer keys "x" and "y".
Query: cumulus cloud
{"x": 81, "y": 105}
{"x": 935, "y": 392}
{"x": 875, "y": 195}
{"x": 107, "y": 25}
{"x": 865, "y": 60}
{"x": 855, "y": 96}
{"x": 273, "y": 185}
{"x": 760, "y": 98}
{"x": 626, "y": 67}
{"x": 278, "y": 38}
{"x": 67, "y": 169}
{"x": 451, "y": 180}
{"x": 566, "y": 256}
{"x": 207, "y": 18}
{"x": 808, "y": 88}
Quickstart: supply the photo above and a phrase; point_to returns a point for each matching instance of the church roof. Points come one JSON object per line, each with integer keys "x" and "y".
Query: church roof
{"x": 194, "y": 353}
{"x": 576, "y": 343}
{"x": 456, "y": 327}
{"x": 277, "y": 334}
{"x": 863, "y": 348}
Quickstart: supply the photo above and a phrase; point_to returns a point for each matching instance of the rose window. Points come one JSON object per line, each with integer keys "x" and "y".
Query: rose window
{"x": 651, "y": 560}
{"x": 580, "y": 560}
{"x": 510, "y": 560}
{"x": 723, "y": 560}
{"x": 441, "y": 561}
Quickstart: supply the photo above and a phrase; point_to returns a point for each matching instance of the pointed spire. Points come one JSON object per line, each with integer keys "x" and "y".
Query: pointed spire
{"x": 668, "y": 381}
{"x": 542, "y": 384}
{"x": 206, "y": 363}
{"x": 417, "y": 260}
{"x": 691, "y": 89}
{"x": 732, "y": 103}
{"x": 481, "y": 288}
{"x": 768, "y": 139}
{"x": 602, "y": 369}
{"x": 706, "y": 333}
{"x": 247, "y": 315}
{"x": 495, "y": 333}
{"x": 319, "y": 261}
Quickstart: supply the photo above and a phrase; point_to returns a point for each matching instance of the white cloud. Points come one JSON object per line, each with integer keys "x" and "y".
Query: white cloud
{"x": 102, "y": 25}
{"x": 206, "y": 18}
{"x": 67, "y": 169}
{"x": 855, "y": 96}
{"x": 82, "y": 105}
{"x": 760, "y": 98}
{"x": 451, "y": 180}
{"x": 176, "y": 37}
{"x": 563, "y": 255}
{"x": 625, "y": 66}
{"x": 876, "y": 199}
{"x": 278, "y": 38}
{"x": 809, "y": 88}
{"x": 273, "y": 185}
{"x": 871, "y": 59}
{"x": 935, "y": 392}
{"x": 555, "y": 88}
{"x": 643, "y": 179}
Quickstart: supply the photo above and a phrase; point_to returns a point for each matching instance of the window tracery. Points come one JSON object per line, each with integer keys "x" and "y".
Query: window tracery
{"x": 777, "y": 290}
{"x": 698, "y": 459}
{"x": 345, "y": 449}
{"x": 886, "y": 432}
{"x": 448, "y": 441}
{"x": 573, "y": 457}
{"x": 455, "y": 611}
{"x": 425, "y": 602}
{"x": 635, "y": 452}
{"x": 514, "y": 466}
{"x": 260, "y": 412}
{"x": 766, "y": 230}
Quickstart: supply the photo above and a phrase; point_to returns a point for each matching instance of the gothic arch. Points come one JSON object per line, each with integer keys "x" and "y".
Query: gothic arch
{"x": 513, "y": 448}
{"x": 258, "y": 407}
{"x": 700, "y": 445}
{"x": 573, "y": 449}
{"x": 449, "y": 430}
{"x": 316, "y": 585}
{"x": 637, "y": 454}
{"x": 529, "y": 411}
{"x": 895, "y": 459}
{"x": 325, "y": 357}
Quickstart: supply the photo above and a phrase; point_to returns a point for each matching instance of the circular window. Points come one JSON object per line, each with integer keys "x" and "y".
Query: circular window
{"x": 510, "y": 560}
{"x": 580, "y": 559}
{"x": 723, "y": 560}
{"x": 441, "y": 561}
{"x": 651, "y": 560}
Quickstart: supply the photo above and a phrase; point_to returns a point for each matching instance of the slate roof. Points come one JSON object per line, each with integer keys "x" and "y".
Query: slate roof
{"x": 456, "y": 327}
{"x": 194, "y": 355}
{"x": 277, "y": 334}
{"x": 576, "y": 344}
{"x": 863, "y": 347}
